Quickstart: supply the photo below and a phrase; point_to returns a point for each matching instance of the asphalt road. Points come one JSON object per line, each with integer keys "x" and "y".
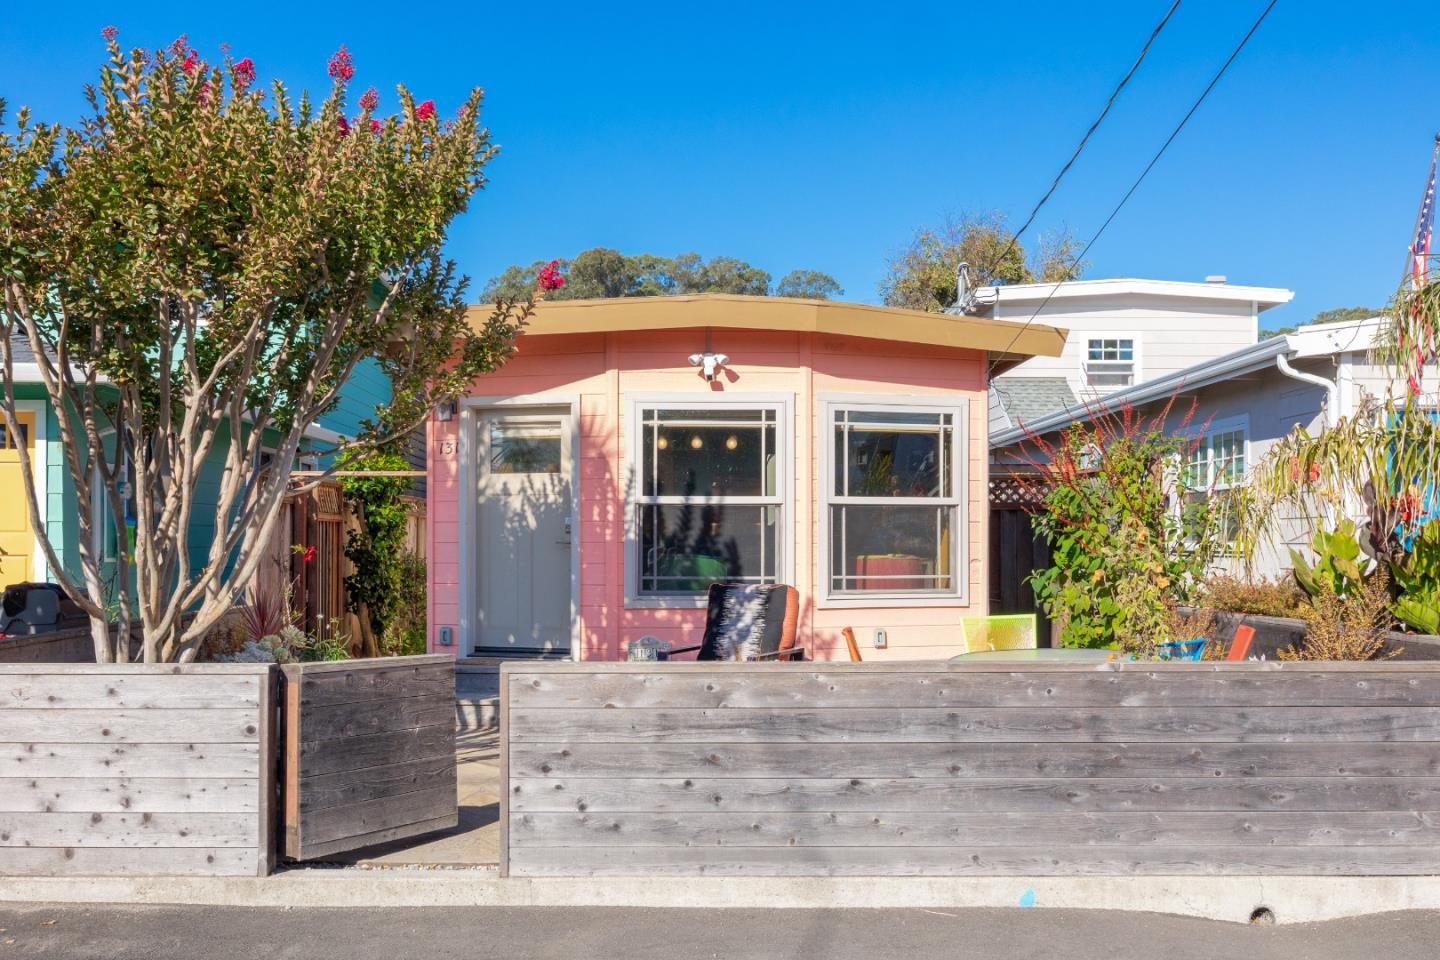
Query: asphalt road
{"x": 211, "y": 933}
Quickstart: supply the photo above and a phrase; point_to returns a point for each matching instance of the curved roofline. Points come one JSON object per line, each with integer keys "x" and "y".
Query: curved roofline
{"x": 791, "y": 314}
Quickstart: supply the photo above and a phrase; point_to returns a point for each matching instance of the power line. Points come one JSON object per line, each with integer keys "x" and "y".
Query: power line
{"x": 1114, "y": 95}
{"x": 1146, "y": 172}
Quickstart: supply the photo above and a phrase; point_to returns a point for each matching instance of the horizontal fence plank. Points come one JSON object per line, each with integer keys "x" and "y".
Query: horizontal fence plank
{"x": 112, "y": 692}
{"x": 345, "y": 721}
{"x": 1017, "y": 830}
{"x": 129, "y": 861}
{"x": 128, "y": 829}
{"x": 386, "y": 683}
{"x": 350, "y": 844}
{"x": 375, "y": 783}
{"x": 926, "y": 724}
{"x": 137, "y": 795}
{"x": 1239, "y": 860}
{"x": 726, "y": 688}
{"x": 356, "y": 819}
{"x": 378, "y": 749}
{"x": 971, "y": 795}
{"x": 1034, "y": 759}
{"x": 187, "y": 760}
{"x": 131, "y": 726}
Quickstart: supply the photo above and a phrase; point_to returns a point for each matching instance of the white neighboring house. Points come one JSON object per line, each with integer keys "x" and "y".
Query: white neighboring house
{"x": 1252, "y": 397}
{"x": 1122, "y": 332}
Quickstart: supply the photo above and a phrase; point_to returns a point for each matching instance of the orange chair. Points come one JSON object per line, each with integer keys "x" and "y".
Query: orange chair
{"x": 850, "y": 642}
{"x": 1240, "y": 646}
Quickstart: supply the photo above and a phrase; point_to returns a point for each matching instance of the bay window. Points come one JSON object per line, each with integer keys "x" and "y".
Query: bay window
{"x": 892, "y": 520}
{"x": 708, "y": 505}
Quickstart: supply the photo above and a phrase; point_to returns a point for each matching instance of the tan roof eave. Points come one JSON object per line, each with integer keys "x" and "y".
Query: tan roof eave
{"x": 1016, "y": 340}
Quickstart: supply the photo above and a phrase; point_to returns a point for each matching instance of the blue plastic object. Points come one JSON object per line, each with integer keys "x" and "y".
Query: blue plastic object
{"x": 1182, "y": 649}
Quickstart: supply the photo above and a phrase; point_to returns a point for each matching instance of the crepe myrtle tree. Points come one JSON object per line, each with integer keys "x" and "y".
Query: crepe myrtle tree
{"x": 198, "y": 268}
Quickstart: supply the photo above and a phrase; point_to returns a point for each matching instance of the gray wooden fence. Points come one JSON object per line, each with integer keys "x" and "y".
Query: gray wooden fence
{"x": 136, "y": 770}
{"x": 369, "y": 753}
{"x": 985, "y": 769}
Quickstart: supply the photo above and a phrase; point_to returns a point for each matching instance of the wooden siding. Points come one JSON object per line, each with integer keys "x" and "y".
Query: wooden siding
{"x": 132, "y": 770}
{"x": 369, "y": 751}
{"x": 932, "y": 769}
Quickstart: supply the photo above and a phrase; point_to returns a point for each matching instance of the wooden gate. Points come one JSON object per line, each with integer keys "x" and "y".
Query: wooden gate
{"x": 1016, "y": 550}
{"x": 369, "y": 752}
{"x": 317, "y": 531}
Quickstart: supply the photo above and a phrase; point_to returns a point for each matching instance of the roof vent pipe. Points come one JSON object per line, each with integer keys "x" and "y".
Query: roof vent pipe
{"x": 1216, "y": 278}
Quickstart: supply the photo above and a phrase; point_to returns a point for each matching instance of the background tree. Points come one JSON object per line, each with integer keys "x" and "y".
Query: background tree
{"x": 199, "y": 266}
{"x": 601, "y": 273}
{"x": 922, "y": 275}
{"x": 1335, "y": 315}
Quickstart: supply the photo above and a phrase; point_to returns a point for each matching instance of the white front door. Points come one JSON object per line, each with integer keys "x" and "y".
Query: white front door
{"x": 524, "y": 535}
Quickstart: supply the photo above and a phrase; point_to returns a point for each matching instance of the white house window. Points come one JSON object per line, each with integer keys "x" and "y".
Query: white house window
{"x": 1216, "y": 467}
{"x": 1110, "y": 362}
{"x": 893, "y": 500}
{"x": 710, "y": 505}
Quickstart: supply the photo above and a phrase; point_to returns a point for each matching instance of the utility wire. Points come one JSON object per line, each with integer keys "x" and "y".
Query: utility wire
{"x": 1144, "y": 173}
{"x": 1114, "y": 95}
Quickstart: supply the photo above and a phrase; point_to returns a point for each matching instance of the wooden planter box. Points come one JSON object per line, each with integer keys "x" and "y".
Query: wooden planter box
{"x": 136, "y": 770}
{"x": 369, "y": 753}
{"x": 1276, "y": 633}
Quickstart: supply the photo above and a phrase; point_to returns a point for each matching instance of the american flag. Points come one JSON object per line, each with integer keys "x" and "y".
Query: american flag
{"x": 1425, "y": 226}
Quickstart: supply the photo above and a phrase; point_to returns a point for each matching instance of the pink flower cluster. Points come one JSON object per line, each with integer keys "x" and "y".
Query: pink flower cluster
{"x": 344, "y": 126}
{"x": 110, "y": 33}
{"x": 342, "y": 65}
{"x": 244, "y": 72}
{"x": 191, "y": 62}
{"x": 370, "y": 99}
{"x": 549, "y": 277}
{"x": 425, "y": 111}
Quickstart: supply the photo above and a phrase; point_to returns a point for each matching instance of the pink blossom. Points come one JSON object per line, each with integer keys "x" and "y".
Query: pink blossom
{"x": 342, "y": 65}
{"x": 180, "y": 44}
{"x": 344, "y": 126}
{"x": 244, "y": 72}
{"x": 110, "y": 33}
{"x": 375, "y": 127}
{"x": 549, "y": 277}
{"x": 370, "y": 99}
{"x": 202, "y": 96}
{"x": 191, "y": 62}
{"x": 425, "y": 111}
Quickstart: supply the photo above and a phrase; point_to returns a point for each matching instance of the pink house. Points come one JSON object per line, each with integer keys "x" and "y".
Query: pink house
{"x": 636, "y": 450}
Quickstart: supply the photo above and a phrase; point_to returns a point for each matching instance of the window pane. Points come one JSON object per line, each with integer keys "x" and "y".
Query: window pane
{"x": 685, "y": 548}
{"x": 891, "y": 549}
{"x": 708, "y": 460}
{"x": 899, "y": 461}
{"x": 1227, "y": 451}
{"x": 524, "y": 447}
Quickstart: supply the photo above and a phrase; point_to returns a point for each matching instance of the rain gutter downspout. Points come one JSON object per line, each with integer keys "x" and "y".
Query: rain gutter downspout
{"x": 1332, "y": 392}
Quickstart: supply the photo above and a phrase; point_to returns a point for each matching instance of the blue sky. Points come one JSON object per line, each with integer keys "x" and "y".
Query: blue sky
{"x": 822, "y": 137}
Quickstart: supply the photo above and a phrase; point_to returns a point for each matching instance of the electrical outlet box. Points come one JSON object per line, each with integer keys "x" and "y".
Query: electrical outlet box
{"x": 880, "y": 639}
{"x": 447, "y": 637}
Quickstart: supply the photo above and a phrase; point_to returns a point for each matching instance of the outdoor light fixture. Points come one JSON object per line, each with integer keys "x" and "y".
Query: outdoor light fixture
{"x": 710, "y": 363}
{"x": 696, "y": 442}
{"x": 731, "y": 442}
{"x": 445, "y": 412}
{"x": 663, "y": 443}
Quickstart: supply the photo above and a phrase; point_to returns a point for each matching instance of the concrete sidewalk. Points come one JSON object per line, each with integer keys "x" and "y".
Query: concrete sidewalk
{"x": 181, "y": 933}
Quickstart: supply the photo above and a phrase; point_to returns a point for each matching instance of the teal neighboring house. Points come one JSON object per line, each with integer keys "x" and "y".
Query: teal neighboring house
{"x": 21, "y": 558}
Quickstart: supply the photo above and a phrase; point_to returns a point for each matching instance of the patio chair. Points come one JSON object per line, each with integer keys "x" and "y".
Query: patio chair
{"x": 1011, "y": 631}
{"x": 749, "y": 622}
{"x": 1240, "y": 646}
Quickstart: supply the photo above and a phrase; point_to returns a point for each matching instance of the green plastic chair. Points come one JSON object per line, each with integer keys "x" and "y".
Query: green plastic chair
{"x": 1009, "y": 631}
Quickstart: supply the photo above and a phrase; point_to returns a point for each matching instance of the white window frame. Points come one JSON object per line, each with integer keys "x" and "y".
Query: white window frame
{"x": 1136, "y": 375}
{"x": 1215, "y": 428}
{"x": 959, "y": 408}
{"x": 784, "y": 406}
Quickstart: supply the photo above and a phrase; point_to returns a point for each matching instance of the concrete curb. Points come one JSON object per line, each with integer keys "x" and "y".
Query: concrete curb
{"x": 1289, "y": 899}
